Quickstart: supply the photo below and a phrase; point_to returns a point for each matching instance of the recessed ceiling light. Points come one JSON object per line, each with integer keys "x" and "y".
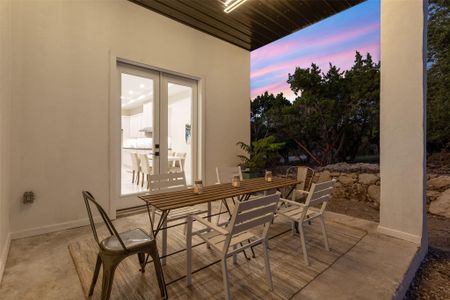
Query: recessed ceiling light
{"x": 142, "y": 85}
{"x": 231, "y": 5}
{"x": 130, "y": 92}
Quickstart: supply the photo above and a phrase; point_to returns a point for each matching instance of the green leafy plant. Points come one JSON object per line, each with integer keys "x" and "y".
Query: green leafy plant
{"x": 260, "y": 153}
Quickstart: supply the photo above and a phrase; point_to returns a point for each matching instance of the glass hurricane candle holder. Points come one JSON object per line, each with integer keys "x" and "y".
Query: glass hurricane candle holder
{"x": 268, "y": 176}
{"x": 198, "y": 187}
{"x": 236, "y": 181}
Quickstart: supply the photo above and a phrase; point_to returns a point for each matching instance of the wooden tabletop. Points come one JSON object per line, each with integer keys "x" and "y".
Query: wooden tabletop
{"x": 184, "y": 198}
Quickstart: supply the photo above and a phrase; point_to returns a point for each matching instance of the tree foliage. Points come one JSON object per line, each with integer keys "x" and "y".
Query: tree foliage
{"x": 333, "y": 118}
{"x": 438, "y": 89}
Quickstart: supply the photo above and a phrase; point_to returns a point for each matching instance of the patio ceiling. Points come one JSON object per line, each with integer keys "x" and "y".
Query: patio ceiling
{"x": 253, "y": 24}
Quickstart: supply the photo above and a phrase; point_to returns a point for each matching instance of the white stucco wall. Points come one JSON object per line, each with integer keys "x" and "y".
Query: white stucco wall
{"x": 5, "y": 106}
{"x": 61, "y": 77}
{"x": 403, "y": 104}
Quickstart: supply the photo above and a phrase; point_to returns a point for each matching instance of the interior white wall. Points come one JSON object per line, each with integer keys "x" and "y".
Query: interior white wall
{"x": 5, "y": 119}
{"x": 402, "y": 126}
{"x": 180, "y": 111}
{"x": 61, "y": 77}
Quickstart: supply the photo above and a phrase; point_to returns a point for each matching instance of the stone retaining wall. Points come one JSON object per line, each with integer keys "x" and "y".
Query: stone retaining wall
{"x": 361, "y": 182}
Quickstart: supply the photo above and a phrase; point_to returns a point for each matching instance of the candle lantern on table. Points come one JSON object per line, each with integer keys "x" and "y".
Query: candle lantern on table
{"x": 198, "y": 187}
{"x": 236, "y": 181}
{"x": 268, "y": 176}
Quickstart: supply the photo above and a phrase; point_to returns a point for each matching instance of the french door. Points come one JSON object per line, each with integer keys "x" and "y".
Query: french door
{"x": 158, "y": 129}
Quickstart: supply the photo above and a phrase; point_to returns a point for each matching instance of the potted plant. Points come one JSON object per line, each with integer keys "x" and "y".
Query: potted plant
{"x": 260, "y": 154}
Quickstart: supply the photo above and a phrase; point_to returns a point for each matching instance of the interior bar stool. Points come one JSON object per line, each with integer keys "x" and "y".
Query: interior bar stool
{"x": 119, "y": 246}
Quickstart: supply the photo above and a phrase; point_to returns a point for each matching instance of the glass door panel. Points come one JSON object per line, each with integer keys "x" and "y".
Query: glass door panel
{"x": 137, "y": 97}
{"x": 180, "y": 98}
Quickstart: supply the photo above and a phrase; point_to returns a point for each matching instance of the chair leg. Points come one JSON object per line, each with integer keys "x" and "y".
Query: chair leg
{"x": 189, "y": 251}
{"x": 109, "y": 267}
{"x": 324, "y": 232}
{"x": 302, "y": 240}
{"x": 95, "y": 277}
{"x": 141, "y": 258}
{"x": 142, "y": 182}
{"x": 267, "y": 265}
{"x": 225, "y": 279}
{"x": 220, "y": 211}
{"x": 134, "y": 173}
{"x": 148, "y": 181}
{"x": 138, "y": 176}
{"x": 164, "y": 243}
{"x": 158, "y": 270}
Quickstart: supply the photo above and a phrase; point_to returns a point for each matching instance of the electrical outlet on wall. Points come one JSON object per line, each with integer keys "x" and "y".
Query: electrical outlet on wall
{"x": 28, "y": 197}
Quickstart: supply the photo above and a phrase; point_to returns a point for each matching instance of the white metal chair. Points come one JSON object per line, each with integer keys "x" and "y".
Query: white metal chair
{"x": 167, "y": 183}
{"x": 225, "y": 175}
{"x": 135, "y": 167}
{"x": 296, "y": 212}
{"x": 146, "y": 168}
{"x": 303, "y": 174}
{"x": 228, "y": 241}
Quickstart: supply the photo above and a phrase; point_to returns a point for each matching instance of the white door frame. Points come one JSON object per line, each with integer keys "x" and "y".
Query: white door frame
{"x": 115, "y": 150}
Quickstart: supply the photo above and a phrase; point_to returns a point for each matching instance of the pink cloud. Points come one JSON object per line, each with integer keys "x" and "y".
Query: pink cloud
{"x": 285, "y": 48}
{"x": 343, "y": 60}
{"x": 288, "y": 66}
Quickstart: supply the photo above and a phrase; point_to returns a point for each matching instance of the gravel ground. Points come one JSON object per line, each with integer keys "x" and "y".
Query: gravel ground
{"x": 432, "y": 280}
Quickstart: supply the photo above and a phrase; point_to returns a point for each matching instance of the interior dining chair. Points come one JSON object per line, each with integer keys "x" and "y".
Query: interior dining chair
{"x": 146, "y": 168}
{"x": 179, "y": 162}
{"x": 135, "y": 167}
{"x": 306, "y": 177}
{"x": 117, "y": 247}
{"x": 299, "y": 213}
{"x": 227, "y": 241}
{"x": 225, "y": 175}
{"x": 168, "y": 183}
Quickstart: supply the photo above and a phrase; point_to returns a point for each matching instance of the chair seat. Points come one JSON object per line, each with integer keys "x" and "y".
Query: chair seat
{"x": 295, "y": 212}
{"x": 134, "y": 240}
{"x": 217, "y": 239}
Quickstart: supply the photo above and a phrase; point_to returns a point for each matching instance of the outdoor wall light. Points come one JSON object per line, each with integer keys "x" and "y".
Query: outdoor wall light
{"x": 231, "y": 5}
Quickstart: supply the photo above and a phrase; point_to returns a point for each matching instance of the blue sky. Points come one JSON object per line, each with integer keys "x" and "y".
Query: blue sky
{"x": 334, "y": 40}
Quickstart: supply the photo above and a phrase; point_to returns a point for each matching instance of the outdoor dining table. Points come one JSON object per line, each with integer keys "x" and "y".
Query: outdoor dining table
{"x": 170, "y": 200}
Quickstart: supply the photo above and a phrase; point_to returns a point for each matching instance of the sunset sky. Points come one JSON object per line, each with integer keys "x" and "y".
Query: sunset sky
{"x": 334, "y": 40}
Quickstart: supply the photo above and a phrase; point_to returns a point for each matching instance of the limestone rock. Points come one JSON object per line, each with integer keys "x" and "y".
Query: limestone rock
{"x": 324, "y": 176}
{"x": 432, "y": 195}
{"x": 346, "y": 179}
{"x": 439, "y": 183}
{"x": 374, "y": 193}
{"x": 358, "y": 192}
{"x": 441, "y": 206}
{"x": 368, "y": 179}
{"x": 352, "y": 168}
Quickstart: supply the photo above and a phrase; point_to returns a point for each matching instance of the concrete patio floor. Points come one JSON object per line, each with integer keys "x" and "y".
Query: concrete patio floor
{"x": 40, "y": 267}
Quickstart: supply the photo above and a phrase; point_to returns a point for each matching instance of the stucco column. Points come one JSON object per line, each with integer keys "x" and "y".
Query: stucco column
{"x": 403, "y": 119}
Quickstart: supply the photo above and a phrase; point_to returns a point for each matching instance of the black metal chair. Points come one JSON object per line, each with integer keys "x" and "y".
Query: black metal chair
{"x": 119, "y": 246}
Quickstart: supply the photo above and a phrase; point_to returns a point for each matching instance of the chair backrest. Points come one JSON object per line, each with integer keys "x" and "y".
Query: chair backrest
{"x": 167, "y": 182}
{"x": 88, "y": 200}
{"x": 320, "y": 193}
{"x": 225, "y": 174}
{"x": 302, "y": 173}
{"x": 135, "y": 162}
{"x": 145, "y": 164}
{"x": 251, "y": 214}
